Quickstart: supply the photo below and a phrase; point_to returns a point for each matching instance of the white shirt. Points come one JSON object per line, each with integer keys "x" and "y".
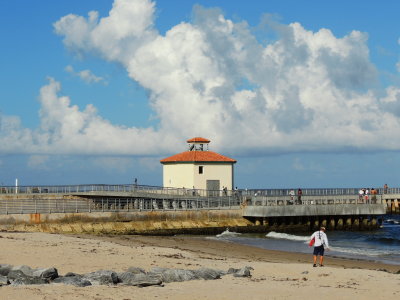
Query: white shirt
{"x": 320, "y": 239}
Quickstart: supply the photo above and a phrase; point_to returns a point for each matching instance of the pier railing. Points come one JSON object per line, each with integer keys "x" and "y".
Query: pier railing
{"x": 82, "y": 205}
{"x": 313, "y": 200}
{"x": 74, "y": 189}
{"x": 117, "y": 188}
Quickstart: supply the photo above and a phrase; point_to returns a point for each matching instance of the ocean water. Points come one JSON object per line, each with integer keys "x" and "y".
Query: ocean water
{"x": 381, "y": 245}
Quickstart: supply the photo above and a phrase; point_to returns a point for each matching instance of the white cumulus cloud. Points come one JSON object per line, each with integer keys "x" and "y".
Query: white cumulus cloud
{"x": 303, "y": 91}
{"x": 86, "y": 75}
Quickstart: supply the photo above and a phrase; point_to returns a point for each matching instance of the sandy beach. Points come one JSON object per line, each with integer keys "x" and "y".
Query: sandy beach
{"x": 276, "y": 275}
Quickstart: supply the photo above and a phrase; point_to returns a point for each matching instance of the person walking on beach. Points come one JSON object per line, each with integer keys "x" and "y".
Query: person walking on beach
{"x": 321, "y": 241}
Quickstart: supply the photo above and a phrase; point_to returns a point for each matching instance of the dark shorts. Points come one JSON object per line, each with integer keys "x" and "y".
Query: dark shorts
{"x": 319, "y": 250}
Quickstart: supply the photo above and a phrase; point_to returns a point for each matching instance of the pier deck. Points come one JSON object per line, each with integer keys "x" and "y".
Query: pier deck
{"x": 334, "y": 208}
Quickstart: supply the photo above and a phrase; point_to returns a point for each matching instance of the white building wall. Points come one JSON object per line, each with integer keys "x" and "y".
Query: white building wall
{"x": 187, "y": 175}
{"x": 218, "y": 171}
{"x": 178, "y": 175}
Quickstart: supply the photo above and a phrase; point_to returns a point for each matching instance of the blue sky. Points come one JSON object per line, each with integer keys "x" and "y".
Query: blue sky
{"x": 301, "y": 93}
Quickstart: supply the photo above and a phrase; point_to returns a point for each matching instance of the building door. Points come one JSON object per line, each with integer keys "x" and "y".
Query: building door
{"x": 213, "y": 188}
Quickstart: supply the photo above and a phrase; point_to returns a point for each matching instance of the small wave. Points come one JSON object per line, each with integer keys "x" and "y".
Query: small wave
{"x": 285, "y": 236}
{"x": 363, "y": 252}
{"x": 227, "y": 233}
{"x": 392, "y": 222}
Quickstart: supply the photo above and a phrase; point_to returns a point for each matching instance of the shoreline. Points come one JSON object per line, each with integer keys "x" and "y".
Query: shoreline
{"x": 247, "y": 252}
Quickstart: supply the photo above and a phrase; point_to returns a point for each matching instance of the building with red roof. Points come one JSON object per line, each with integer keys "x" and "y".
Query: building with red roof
{"x": 198, "y": 168}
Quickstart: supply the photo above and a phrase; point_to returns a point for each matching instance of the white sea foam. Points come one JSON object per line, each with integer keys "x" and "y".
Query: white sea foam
{"x": 285, "y": 236}
{"x": 363, "y": 251}
{"x": 227, "y": 233}
{"x": 392, "y": 222}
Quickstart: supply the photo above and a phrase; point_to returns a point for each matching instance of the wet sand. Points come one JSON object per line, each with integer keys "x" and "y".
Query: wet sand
{"x": 276, "y": 275}
{"x": 221, "y": 249}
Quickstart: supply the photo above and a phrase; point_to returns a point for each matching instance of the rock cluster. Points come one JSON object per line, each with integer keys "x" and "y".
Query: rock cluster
{"x": 24, "y": 275}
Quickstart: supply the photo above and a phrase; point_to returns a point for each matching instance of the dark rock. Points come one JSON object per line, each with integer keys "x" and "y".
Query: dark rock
{"x": 4, "y": 280}
{"x": 4, "y": 269}
{"x": 135, "y": 270}
{"x": 243, "y": 272}
{"x": 125, "y": 276}
{"x": 209, "y": 274}
{"x": 71, "y": 274}
{"x": 102, "y": 277}
{"x": 15, "y": 274}
{"x": 177, "y": 275}
{"x": 17, "y": 277}
{"x": 143, "y": 280}
{"x": 232, "y": 270}
{"x": 49, "y": 273}
{"x": 73, "y": 280}
{"x": 24, "y": 269}
{"x": 157, "y": 270}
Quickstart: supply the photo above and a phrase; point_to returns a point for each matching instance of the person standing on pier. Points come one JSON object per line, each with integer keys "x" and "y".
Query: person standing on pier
{"x": 321, "y": 241}
{"x": 291, "y": 201}
{"x": 299, "y": 193}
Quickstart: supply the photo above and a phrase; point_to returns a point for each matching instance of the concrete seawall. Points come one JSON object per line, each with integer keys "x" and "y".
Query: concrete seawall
{"x": 152, "y": 222}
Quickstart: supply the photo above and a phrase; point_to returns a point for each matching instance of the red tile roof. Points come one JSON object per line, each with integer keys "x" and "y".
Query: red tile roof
{"x": 198, "y": 140}
{"x": 198, "y": 156}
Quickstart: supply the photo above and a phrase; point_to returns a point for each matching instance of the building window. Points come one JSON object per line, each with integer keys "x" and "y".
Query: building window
{"x": 200, "y": 169}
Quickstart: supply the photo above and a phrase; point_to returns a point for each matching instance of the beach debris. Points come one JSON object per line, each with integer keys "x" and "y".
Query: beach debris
{"x": 134, "y": 276}
{"x": 177, "y": 255}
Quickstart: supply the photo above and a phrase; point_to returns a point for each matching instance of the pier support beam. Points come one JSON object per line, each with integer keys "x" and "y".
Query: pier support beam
{"x": 374, "y": 223}
{"x": 348, "y": 223}
{"x": 365, "y": 224}
{"x": 332, "y": 224}
{"x": 339, "y": 225}
{"x": 316, "y": 225}
{"x": 356, "y": 223}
